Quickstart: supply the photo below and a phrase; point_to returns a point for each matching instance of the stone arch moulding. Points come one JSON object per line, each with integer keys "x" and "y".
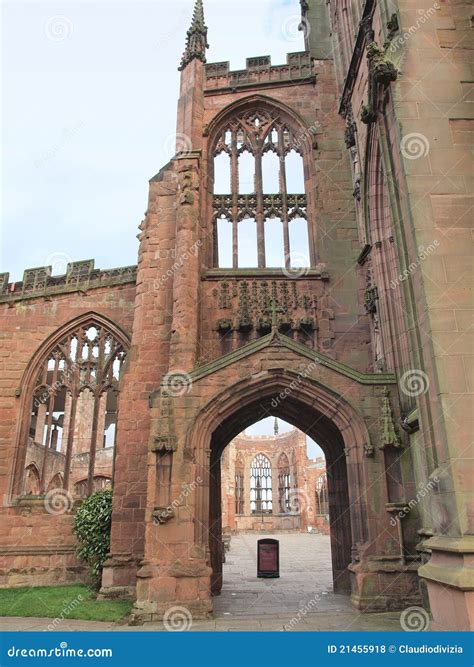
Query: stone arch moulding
{"x": 327, "y": 417}
{"x": 254, "y": 102}
{"x": 23, "y": 392}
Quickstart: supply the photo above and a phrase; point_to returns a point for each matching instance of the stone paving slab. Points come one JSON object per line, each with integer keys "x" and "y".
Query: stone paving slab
{"x": 301, "y": 600}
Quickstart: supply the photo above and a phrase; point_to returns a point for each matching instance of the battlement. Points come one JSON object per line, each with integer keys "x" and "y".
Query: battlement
{"x": 79, "y": 276}
{"x": 260, "y": 72}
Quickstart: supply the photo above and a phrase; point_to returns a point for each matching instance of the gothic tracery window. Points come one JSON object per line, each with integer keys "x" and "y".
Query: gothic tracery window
{"x": 239, "y": 485}
{"x": 322, "y": 501}
{"x": 260, "y": 485}
{"x": 74, "y": 411}
{"x": 284, "y": 484}
{"x": 259, "y": 196}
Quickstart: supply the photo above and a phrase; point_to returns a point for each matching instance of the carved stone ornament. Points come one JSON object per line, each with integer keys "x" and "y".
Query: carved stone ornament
{"x": 388, "y": 436}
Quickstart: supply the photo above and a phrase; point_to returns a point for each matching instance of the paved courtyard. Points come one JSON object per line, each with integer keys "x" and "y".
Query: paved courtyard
{"x": 300, "y": 600}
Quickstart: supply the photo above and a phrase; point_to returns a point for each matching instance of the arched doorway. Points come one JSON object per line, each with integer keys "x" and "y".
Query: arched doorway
{"x": 326, "y": 418}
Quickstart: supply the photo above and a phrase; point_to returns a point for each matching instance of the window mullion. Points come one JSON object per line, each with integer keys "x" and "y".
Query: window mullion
{"x": 260, "y": 220}
{"x": 234, "y": 178}
{"x": 93, "y": 446}
{"x": 284, "y": 198}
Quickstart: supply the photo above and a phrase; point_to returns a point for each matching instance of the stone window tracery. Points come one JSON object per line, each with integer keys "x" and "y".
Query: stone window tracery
{"x": 72, "y": 422}
{"x": 259, "y": 195}
{"x": 239, "y": 485}
{"x": 322, "y": 500}
{"x": 284, "y": 484}
{"x": 261, "y": 485}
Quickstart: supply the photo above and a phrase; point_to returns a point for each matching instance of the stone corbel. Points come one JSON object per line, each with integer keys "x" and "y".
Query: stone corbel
{"x": 162, "y": 515}
{"x": 224, "y": 326}
{"x": 369, "y": 450}
{"x": 382, "y": 72}
{"x": 164, "y": 443}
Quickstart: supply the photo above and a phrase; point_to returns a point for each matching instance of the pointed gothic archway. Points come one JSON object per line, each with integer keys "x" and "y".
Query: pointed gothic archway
{"x": 323, "y": 415}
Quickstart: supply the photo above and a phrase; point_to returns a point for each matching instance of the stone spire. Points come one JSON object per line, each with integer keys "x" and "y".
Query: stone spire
{"x": 196, "y": 38}
{"x": 275, "y": 427}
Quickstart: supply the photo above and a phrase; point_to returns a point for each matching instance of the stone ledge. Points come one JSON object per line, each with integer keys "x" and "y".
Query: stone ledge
{"x": 267, "y": 274}
{"x": 43, "y": 550}
{"x": 461, "y": 578}
{"x": 461, "y": 545}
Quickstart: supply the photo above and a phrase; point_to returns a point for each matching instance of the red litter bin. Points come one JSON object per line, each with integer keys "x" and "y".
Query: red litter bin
{"x": 268, "y": 558}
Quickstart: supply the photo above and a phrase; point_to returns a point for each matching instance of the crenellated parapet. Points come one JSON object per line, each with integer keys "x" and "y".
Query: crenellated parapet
{"x": 79, "y": 276}
{"x": 260, "y": 72}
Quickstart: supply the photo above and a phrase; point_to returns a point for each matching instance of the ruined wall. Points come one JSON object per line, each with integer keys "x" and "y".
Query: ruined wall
{"x": 302, "y": 495}
{"x": 36, "y": 541}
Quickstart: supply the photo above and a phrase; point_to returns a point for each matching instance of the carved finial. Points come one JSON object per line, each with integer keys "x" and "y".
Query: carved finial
{"x": 389, "y": 434}
{"x": 196, "y": 38}
{"x": 275, "y": 427}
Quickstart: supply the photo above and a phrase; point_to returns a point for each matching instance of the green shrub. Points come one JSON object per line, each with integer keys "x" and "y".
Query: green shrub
{"x": 92, "y": 528}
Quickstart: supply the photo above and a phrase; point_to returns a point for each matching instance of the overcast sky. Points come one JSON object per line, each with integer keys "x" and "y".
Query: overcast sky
{"x": 89, "y": 92}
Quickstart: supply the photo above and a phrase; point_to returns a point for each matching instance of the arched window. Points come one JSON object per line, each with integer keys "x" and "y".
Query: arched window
{"x": 239, "y": 485}
{"x": 260, "y": 485}
{"x": 284, "y": 484}
{"x": 56, "y": 482}
{"x": 100, "y": 482}
{"x": 322, "y": 502}
{"x": 266, "y": 183}
{"x": 73, "y": 412}
{"x": 32, "y": 481}
{"x": 295, "y": 505}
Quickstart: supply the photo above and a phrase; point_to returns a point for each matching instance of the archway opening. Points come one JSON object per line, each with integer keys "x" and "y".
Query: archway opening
{"x": 319, "y": 428}
{"x": 274, "y": 485}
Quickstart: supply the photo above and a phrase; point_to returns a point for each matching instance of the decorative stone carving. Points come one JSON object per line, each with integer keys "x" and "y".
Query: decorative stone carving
{"x": 388, "y": 435}
{"x": 35, "y": 280}
{"x": 224, "y": 326}
{"x": 166, "y": 443}
{"x": 368, "y": 114}
{"x": 356, "y": 192}
{"x": 79, "y": 273}
{"x": 370, "y": 299}
{"x": 264, "y": 305}
{"x": 162, "y": 515}
{"x": 369, "y": 450}
{"x": 349, "y": 135}
{"x": 382, "y": 71}
{"x": 393, "y": 27}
